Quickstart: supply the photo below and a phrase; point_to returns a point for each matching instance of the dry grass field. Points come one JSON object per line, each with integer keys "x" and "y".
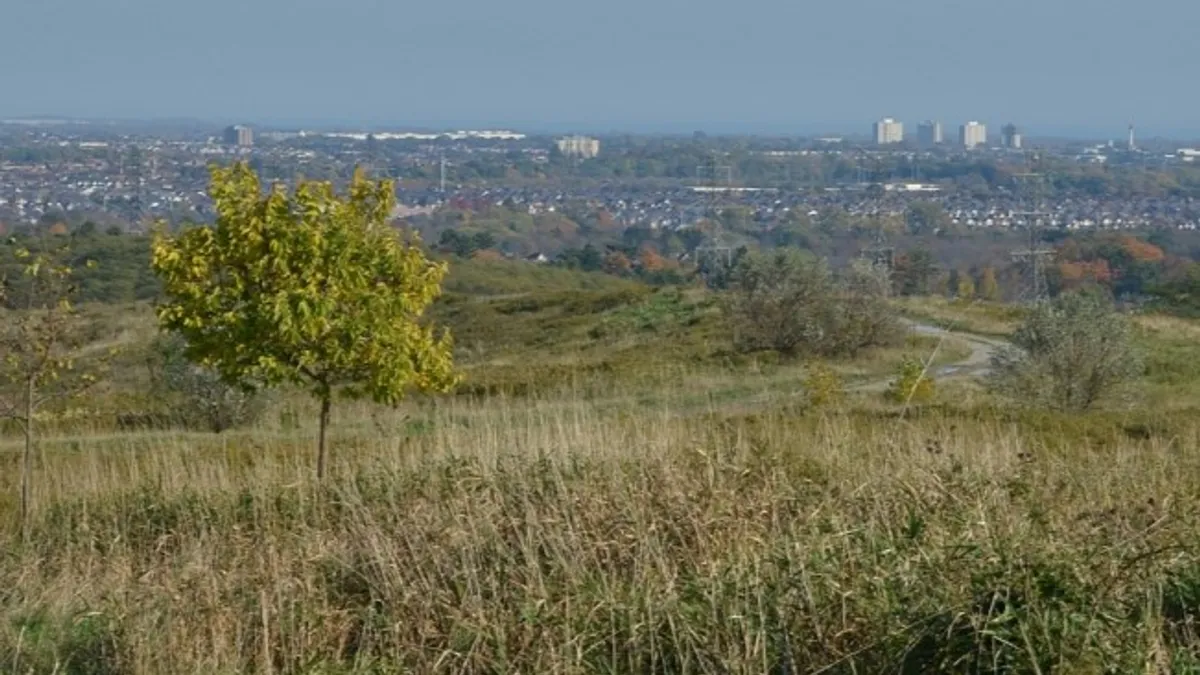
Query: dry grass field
{"x": 610, "y": 492}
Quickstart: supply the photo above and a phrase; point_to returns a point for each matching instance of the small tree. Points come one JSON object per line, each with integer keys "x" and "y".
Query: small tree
{"x": 965, "y": 290}
{"x": 306, "y": 288}
{"x": 1069, "y": 354}
{"x": 40, "y": 342}
{"x": 988, "y": 288}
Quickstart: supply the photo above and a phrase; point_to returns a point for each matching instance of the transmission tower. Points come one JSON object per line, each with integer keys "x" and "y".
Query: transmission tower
{"x": 1033, "y": 258}
{"x": 133, "y": 169}
{"x": 715, "y": 177}
{"x": 880, "y": 252}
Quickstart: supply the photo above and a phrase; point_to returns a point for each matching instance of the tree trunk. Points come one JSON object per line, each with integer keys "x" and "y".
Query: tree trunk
{"x": 27, "y": 459}
{"x": 321, "y": 452}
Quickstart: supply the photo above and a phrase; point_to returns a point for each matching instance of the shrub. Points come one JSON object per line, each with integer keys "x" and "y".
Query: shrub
{"x": 912, "y": 384}
{"x": 864, "y": 317}
{"x": 823, "y": 386}
{"x": 790, "y": 302}
{"x": 197, "y": 396}
{"x": 1070, "y": 355}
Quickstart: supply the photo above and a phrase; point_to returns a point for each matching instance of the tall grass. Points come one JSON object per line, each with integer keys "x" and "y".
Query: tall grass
{"x": 557, "y": 536}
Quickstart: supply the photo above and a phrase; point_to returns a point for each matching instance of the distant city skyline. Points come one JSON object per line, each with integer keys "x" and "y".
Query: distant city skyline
{"x": 847, "y": 130}
{"x": 1079, "y": 68}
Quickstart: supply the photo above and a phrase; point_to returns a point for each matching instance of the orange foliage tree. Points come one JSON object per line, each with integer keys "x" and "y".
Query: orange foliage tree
{"x": 1142, "y": 251}
{"x": 1080, "y": 273}
{"x": 617, "y": 263}
{"x": 650, "y": 261}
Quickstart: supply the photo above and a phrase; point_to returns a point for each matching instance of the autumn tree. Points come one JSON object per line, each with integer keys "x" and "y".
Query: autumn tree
{"x": 1140, "y": 250}
{"x": 41, "y": 342}
{"x": 988, "y": 288}
{"x": 650, "y": 261}
{"x": 965, "y": 288}
{"x": 1074, "y": 275}
{"x": 616, "y": 262}
{"x": 309, "y": 288}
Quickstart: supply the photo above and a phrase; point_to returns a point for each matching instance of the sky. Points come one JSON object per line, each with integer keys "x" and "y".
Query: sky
{"x": 1061, "y": 67}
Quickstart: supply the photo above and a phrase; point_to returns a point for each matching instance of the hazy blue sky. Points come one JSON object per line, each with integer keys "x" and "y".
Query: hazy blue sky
{"x": 771, "y": 65}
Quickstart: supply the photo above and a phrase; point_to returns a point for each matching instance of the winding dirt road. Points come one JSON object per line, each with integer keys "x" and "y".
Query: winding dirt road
{"x": 975, "y": 365}
{"x": 981, "y": 348}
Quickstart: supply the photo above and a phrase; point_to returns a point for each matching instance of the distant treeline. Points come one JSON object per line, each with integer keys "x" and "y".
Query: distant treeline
{"x": 1159, "y": 267}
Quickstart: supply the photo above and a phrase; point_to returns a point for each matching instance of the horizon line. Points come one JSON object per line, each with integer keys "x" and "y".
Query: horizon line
{"x": 710, "y": 127}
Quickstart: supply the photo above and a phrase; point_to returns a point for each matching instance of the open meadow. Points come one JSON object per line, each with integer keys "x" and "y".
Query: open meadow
{"x": 613, "y": 489}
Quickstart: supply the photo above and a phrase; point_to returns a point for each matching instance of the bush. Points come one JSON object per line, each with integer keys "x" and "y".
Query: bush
{"x": 823, "y": 386}
{"x": 865, "y": 317}
{"x": 789, "y": 302}
{"x": 1069, "y": 355}
{"x": 196, "y": 396}
{"x": 912, "y": 384}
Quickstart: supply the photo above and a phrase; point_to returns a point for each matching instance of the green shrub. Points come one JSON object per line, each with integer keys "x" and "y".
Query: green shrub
{"x": 1070, "y": 355}
{"x": 790, "y": 302}
{"x": 195, "y": 396}
{"x": 823, "y": 386}
{"x": 912, "y": 383}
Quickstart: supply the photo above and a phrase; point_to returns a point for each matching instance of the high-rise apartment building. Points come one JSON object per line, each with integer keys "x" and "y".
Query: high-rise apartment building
{"x": 240, "y": 136}
{"x": 930, "y": 133}
{"x": 888, "y": 131}
{"x": 1011, "y": 137}
{"x": 578, "y": 146}
{"x": 972, "y": 135}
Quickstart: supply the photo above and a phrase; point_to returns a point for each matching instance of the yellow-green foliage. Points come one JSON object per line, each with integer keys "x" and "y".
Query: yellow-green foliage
{"x": 966, "y": 287}
{"x": 307, "y": 288}
{"x": 39, "y": 350}
{"x": 988, "y": 288}
{"x": 912, "y": 384}
{"x": 823, "y": 386}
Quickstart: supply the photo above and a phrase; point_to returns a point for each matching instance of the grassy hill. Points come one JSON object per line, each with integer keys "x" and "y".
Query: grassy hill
{"x": 613, "y": 489}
